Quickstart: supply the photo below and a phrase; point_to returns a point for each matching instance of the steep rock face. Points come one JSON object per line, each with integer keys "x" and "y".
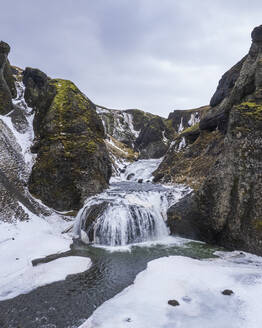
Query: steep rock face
{"x": 152, "y": 141}
{"x": 5, "y": 80}
{"x": 191, "y": 153}
{"x": 183, "y": 119}
{"x": 16, "y": 136}
{"x": 72, "y": 160}
{"x": 226, "y": 208}
{"x": 140, "y": 134}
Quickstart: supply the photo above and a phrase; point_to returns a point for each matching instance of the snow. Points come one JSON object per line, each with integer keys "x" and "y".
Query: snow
{"x": 111, "y": 142}
{"x": 44, "y": 274}
{"x": 25, "y": 139}
{"x": 182, "y": 144}
{"x": 194, "y": 119}
{"x": 24, "y": 241}
{"x": 181, "y": 127}
{"x": 197, "y": 286}
{"x": 101, "y": 110}
{"x": 128, "y": 118}
{"x": 165, "y": 140}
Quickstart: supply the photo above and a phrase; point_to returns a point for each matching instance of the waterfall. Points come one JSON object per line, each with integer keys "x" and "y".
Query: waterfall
{"x": 128, "y": 212}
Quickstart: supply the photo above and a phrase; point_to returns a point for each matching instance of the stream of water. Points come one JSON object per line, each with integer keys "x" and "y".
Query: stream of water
{"x": 126, "y": 233}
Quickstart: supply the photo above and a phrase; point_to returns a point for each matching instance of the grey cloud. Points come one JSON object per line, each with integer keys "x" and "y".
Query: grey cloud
{"x": 148, "y": 54}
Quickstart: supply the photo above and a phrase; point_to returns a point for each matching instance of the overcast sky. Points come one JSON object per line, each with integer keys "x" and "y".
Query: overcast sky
{"x": 156, "y": 55}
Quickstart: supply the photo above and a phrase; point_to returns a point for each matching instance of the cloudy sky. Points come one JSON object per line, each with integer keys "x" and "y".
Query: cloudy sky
{"x": 157, "y": 55}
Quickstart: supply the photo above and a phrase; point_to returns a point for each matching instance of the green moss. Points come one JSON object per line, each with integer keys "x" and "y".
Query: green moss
{"x": 258, "y": 224}
{"x": 70, "y": 109}
{"x": 191, "y": 129}
{"x": 250, "y": 109}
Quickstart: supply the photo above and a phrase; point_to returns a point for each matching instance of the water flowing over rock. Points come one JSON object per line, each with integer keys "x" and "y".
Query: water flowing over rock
{"x": 133, "y": 134}
{"x": 128, "y": 212}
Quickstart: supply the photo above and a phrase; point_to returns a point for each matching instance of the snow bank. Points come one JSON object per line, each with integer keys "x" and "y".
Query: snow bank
{"x": 43, "y": 274}
{"x": 22, "y": 242}
{"x": 197, "y": 286}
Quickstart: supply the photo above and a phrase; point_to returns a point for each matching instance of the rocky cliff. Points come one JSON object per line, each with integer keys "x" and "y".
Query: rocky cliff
{"x": 146, "y": 134}
{"x": 52, "y": 143}
{"x": 134, "y": 134}
{"x": 226, "y": 205}
{"x": 72, "y": 161}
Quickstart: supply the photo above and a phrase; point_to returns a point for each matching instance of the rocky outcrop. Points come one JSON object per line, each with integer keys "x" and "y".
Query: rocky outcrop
{"x": 226, "y": 208}
{"x": 143, "y": 133}
{"x": 226, "y": 83}
{"x": 5, "y": 80}
{"x": 183, "y": 119}
{"x": 152, "y": 141}
{"x": 192, "y": 151}
{"x": 16, "y": 135}
{"x": 72, "y": 161}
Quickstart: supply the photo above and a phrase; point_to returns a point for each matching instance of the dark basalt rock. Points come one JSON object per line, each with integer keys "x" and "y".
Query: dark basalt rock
{"x": 173, "y": 302}
{"x": 227, "y": 292}
{"x": 72, "y": 159}
{"x": 183, "y": 218}
{"x": 226, "y": 207}
{"x": 256, "y": 34}
{"x": 226, "y": 83}
{"x": 130, "y": 176}
{"x": 5, "y": 93}
{"x": 9, "y": 78}
{"x": 150, "y": 141}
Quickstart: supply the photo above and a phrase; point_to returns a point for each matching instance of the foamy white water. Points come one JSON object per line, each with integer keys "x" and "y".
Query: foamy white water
{"x": 129, "y": 212}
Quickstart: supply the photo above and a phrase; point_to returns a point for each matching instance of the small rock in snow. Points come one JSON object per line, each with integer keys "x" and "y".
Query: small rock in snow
{"x": 173, "y": 302}
{"x": 227, "y": 292}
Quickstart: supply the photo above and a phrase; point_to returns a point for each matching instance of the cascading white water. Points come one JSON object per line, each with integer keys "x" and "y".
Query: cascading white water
{"x": 128, "y": 212}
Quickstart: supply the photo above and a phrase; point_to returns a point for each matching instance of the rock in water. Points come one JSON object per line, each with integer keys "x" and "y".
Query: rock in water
{"x": 226, "y": 207}
{"x": 72, "y": 160}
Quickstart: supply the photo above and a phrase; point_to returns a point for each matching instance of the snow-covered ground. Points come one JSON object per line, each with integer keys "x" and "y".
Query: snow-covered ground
{"x": 197, "y": 285}
{"x": 22, "y": 242}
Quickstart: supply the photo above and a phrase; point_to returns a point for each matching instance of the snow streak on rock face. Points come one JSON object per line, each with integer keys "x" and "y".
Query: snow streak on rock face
{"x": 16, "y": 137}
{"x": 197, "y": 286}
{"x": 194, "y": 119}
{"x": 119, "y": 125}
{"x": 20, "y": 122}
{"x": 129, "y": 211}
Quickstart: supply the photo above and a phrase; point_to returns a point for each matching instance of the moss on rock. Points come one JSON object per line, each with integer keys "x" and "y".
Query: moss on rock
{"x": 72, "y": 161}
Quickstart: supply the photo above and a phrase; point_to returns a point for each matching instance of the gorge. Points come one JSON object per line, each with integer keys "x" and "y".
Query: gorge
{"x": 97, "y": 204}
